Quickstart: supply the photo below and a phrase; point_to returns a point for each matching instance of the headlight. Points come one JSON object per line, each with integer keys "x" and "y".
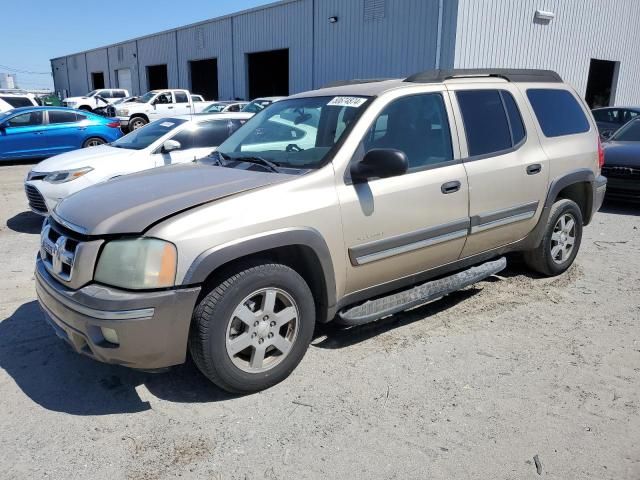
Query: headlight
{"x": 122, "y": 113}
{"x": 136, "y": 264}
{"x": 64, "y": 176}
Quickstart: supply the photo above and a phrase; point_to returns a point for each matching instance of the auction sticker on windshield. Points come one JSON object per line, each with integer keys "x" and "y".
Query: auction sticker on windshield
{"x": 347, "y": 102}
{"x": 166, "y": 124}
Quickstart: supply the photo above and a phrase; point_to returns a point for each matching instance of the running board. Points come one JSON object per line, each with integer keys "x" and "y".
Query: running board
{"x": 373, "y": 310}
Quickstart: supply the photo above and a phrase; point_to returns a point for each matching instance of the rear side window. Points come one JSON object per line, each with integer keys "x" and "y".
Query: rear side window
{"x": 558, "y": 112}
{"x": 16, "y": 102}
{"x": 61, "y": 116}
{"x": 181, "y": 97}
{"x": 212, "y": 134}
{"x": 492, "y": 121}
{"x": 119, "y": 94}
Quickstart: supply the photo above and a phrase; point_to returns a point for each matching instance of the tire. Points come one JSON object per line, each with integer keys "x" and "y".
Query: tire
{"x": 217, "y": 324}
{"x": 553, "y": 256}
{"x": 93, "y": 142}
{"x": 136, "y": 123}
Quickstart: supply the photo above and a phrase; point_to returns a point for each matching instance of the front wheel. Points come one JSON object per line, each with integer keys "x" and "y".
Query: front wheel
{"x": 561, "y": 240}
{"x": 136, "y": 123}
{"x": 251, "y": 330}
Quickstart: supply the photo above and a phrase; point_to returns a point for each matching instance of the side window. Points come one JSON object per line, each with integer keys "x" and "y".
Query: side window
{"x": 485, "y": 121}
{"x": 105, "y": 94}
{"x": 558, "y": 112}
{"x": 234, "y": 108}
{"x": 61, "y": 116}
{"x": 212, "y": 134}
{"x": 185, "y": 137}
{"x": 416, "y": 125}
{"x": 518, "y": 133}
{"x": 181, "y": 97}
{"x": 17, "y": 102}
{"x": 31, "y": 119}
{"x": 164, "y": 98}
{"x": 602, "y": 115}
{"x": 118, "y": 94}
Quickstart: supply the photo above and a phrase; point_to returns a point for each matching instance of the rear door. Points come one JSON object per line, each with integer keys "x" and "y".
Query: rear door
{"x": 64, "y": 131}
{"x": 23, "y": 135}
{"x": 183, "y": 104}
{"x": 507, "y": 169}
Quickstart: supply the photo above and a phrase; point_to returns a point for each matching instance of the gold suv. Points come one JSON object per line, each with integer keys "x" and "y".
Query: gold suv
{"x": 346, "y": 204}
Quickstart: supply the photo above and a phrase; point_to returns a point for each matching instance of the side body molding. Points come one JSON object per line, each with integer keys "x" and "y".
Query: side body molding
{"x": 211, "y": 259}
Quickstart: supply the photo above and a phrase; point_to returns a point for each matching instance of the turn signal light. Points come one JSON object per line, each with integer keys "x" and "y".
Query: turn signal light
{"x": 114, "y": 124}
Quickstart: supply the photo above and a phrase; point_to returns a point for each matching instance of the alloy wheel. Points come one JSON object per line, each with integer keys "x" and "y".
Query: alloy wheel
{"x": 563, "y": 238}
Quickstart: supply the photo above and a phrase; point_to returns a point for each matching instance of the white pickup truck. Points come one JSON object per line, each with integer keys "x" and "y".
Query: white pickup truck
{"x": 96, "y": 99}
{"x": 158, "y": 104}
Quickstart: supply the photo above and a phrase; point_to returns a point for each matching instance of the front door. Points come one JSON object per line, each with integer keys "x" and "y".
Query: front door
{"x": 23, "y": 135}
{"x": 413, "y": 222}
{"x": 507, "y": 170}
{"x": 163, "y": 106}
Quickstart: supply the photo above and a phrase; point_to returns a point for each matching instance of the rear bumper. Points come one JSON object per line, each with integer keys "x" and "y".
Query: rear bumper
{"x": 600, "y": 186}
{"x": 152, "y": 327}
{"x": 124, "y": 121}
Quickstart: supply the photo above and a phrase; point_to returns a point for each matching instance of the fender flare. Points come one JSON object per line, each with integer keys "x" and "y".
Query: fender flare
{"x": 213, "y": 258}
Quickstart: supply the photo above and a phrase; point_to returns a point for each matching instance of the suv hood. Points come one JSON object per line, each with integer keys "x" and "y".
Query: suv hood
{"x": 130, "y": 204}
{"x": 84, "y": 157}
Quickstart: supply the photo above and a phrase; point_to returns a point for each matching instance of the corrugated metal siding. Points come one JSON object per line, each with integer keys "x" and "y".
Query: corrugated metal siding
{"x": 97, "y": 62}
{"x": 211, "y": 40}
{"x": 157, "y": 50}
{"x": 503, "y": 33}
{"x": 400, "y": 42}
{"x": 60, "y": 78}
{"x": 289, "y": 25}
{"x": 121, "y": 56}
{"x": 77, "y": 68}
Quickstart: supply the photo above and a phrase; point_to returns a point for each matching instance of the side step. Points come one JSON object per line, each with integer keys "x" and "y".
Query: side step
{"x": 373, "y": 310}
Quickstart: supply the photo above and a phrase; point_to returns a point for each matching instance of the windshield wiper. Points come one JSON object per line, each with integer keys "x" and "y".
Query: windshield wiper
{"x": 259, "y": 161}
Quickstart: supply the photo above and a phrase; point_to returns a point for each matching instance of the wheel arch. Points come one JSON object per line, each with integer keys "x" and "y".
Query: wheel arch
{"x": 139, "y": 115}
{"x": 578, "y": 186}
{"x": 302, "y": 249}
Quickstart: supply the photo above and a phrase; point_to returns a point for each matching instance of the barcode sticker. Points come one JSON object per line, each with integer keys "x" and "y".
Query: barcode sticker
{"x": 167, "y": 124}
{"x": 347, "y": 102}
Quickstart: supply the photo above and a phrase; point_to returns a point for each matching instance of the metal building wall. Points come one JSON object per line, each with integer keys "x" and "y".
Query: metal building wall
{"x": 277, "y": 26}
{"x": 77, "y": 68}
{"x": 60, "y": 78}
{"x": 156, "y": 50}
{"x": 379, "y": 38}
{"x": 204, "y": 41}
{"x": 97, "y": 61}
{"x": 503, "y": 33}
{"x": 125, "y": 55}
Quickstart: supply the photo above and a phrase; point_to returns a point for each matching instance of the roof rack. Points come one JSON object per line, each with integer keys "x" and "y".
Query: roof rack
{"x": 509, "y": 74}
{"x": 357, "y": 81}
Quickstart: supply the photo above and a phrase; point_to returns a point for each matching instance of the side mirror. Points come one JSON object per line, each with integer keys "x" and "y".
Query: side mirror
{"x": 380, "y": 163}
{"x": 170, "y": 146}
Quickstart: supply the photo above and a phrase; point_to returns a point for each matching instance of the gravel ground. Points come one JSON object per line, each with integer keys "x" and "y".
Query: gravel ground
{"x": 473, "y": 386}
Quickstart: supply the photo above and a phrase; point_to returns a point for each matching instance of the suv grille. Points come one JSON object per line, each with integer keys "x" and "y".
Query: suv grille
{"x": 36, "y": 200}
{"x": 57, "y": 251}
{"x": 621, "y": 172}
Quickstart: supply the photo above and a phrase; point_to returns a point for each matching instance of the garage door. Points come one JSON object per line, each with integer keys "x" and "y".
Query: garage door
{"x": 124, "y": 79}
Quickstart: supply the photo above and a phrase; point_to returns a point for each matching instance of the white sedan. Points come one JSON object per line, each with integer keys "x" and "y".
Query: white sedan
{"x": 164, "y": 142}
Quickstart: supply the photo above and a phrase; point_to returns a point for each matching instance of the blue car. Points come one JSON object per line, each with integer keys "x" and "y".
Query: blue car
{"x": 35, "y": 132}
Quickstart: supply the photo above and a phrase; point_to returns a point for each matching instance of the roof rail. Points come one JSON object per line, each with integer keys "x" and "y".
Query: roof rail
{"x": 509, "y": 74}
{"x": 357, "y": 81}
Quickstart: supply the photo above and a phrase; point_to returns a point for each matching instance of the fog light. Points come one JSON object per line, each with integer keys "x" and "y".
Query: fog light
{"x": 110, "y": 335}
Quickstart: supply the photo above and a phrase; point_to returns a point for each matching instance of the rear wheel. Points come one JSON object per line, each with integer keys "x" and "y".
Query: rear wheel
{"x": 253, "y": 328}
{"x": 93, "y": 142}
{"x": 137, "y": 122}
{"x": 561, "y": 241}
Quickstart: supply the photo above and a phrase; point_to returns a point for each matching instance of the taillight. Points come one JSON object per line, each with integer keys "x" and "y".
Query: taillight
{"x": 113, "y": 125}
{"x": 600, "y": 154}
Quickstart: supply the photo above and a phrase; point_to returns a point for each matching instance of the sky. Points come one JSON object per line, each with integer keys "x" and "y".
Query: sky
{"x": 34, "y": 31}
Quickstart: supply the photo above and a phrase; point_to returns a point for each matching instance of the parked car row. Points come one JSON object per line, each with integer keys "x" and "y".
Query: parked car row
{"x": 344, "y": 204}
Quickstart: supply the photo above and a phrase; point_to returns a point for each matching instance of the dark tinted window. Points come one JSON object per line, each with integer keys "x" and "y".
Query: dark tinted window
{"x": 30, "y": 119}
{"x": 105, "y": 94}
{"x": 515, "y": 119}
{"x": 181, "y": 97}
{"x": 558, "y": 112}
{"x": 185, "y": 138}
{"x": 629, "y": 133}
{"x": 485, "y": 121}
{"x": 17, "y": 101}
{"x": 61, "y": 116}
{"x": 416, "y": 125}
{"x": 119, "y": 94}
{"x": 212, "y": 134}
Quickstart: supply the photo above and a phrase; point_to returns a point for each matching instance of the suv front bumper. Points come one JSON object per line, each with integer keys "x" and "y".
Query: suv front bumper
{"x": 152, "y": 327}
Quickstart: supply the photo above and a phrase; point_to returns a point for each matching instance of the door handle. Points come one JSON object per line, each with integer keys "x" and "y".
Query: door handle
{"x": 534, "y": 169}
{"x": 450, "y": 187}
{"x": 169, "y": 108}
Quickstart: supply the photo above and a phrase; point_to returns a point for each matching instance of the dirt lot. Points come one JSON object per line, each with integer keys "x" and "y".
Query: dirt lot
{"x": 472, "y": 386}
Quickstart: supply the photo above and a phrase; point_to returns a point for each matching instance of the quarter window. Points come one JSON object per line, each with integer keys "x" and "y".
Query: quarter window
{"x": 60, "y": 116}
{"x": 558, "y": 112}
{"x": 416, "y": 125}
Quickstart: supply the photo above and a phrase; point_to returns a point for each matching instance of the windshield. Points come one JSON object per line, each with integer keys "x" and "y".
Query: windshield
{"x": 297, "y": 133}
{"x": 145, "y": 136}
{"x": 257, "y": 106}
{"x": 146, "y": 98}
{"x": 215, "y": 108}
{"x": 629, "y": 133}
{"x": 92, "y": 93}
